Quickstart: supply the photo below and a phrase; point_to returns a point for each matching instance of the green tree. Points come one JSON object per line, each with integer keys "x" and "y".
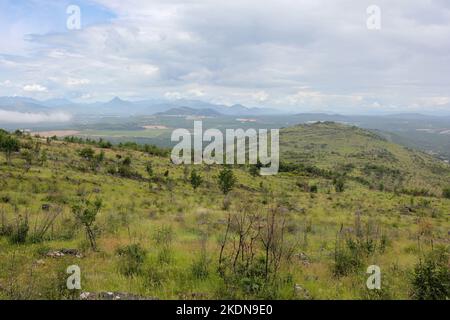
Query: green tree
{"x": 8, "y": 145}
{"x": 227, "y": 180}
{"x": 195, "y": 179}
{"x": 85, "y": 212}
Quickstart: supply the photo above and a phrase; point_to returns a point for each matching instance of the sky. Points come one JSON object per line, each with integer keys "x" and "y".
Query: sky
{"x": 297, "y": 55}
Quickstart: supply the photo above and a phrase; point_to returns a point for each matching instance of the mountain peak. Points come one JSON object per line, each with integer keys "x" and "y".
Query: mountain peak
{"x": 116, "y": 99}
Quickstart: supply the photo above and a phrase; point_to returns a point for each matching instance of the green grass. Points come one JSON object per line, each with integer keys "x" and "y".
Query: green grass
{"x": 135, "y": 210}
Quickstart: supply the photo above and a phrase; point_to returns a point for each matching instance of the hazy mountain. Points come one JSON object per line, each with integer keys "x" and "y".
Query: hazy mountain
{"x": 186, "y": 111}
{"x": 21, "y": 104}
{"x": 119, "y": 106}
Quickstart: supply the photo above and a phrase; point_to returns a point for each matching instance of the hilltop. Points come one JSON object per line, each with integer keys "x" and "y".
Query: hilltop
{"x": 365, "y": 156}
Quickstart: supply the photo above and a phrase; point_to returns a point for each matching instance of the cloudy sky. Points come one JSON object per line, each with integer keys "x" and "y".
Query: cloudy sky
{"x": 302, "y": 55}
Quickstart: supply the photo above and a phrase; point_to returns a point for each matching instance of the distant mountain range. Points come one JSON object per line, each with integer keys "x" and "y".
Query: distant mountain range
{"x": 117, "y": 106}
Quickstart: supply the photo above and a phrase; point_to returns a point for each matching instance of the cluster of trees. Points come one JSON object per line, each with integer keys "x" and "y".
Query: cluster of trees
{"x": 147, "y": 148}
{"x": 98, "y": 143}
{"x": 101, "y": 143}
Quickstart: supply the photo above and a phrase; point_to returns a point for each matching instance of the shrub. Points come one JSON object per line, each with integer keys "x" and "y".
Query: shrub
{"x": 5, "y": 199}
{"x": 195, "y": 179}
{"x": 446, "y": 193}
{"x": 20, "y": 231}
{"x": 132, "y": 258}
{"x": 8, "y": 145}
{"x": 85, "y": 212}
{"x": 163, "y": 238}
{"x": 255, "y": 169}
{"x": 87, "y": 153}
{"x": 339, "y": 184}
{"x": 200, "y": 266}
{"x": 346, "y": 261}
{"x": 149, "y": 169}
{"x": 226, "y": 180}
{"x": 431, "y": 276}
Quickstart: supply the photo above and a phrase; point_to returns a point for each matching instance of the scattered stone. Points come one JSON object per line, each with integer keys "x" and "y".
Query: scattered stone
{"x": 193, "y": 296}
{"x": 222, "y": 221}
{"x": 311, "y": 278}
{"x": 64, "y": 252}
{"x": 304, "y": 259}
{"x": 301, "y": 292}
{"x": 112, "y": 296}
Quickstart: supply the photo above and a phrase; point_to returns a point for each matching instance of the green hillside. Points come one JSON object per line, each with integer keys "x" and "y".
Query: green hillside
{"x": 365, "y": 157}
{"x": 137, "y": 224}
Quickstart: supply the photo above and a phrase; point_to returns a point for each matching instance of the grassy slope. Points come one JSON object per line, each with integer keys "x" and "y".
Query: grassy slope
{"x": 334, "y": 146}
{"x": 133, "y": 213}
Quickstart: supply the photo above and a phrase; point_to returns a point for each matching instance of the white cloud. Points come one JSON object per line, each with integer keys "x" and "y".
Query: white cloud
{"x": 173, "y": 95}
{"x": 27, "y": 117}
{"x": 6, "y": 83}
{"x": 196, "y": 93}
{"x": 435, "y": 101}
{"x": 246, "y": 51}
{"x": 86, "y": 96}
{"x": 34, "y": 88}
{"x": 260, "y": 96}
{"x": 71, "y": 82}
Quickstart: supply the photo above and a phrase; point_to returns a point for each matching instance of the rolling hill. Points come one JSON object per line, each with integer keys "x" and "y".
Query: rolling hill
{"x": 139, "y": 226}
{"x": 363, "y": 155}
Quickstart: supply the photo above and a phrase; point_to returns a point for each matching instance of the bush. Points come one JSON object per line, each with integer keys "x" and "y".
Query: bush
{"x": 446, "y": 193}
{"x": 20, "y": 231}
{"x": 163, "y": 238}
{"x": 339, "y": 184}
{"x": 200, "y": 267}
{"x": 87, "y": 153}
{"x": 8, "y": 145}
{"x": 195, "y": 179}
{"x": 226, "y": 180}
{"x": 132, "y": 258}
{"x": 345, "y": 262}
{"x": 431, "y": 276}
{"x": 85, "y": 212}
